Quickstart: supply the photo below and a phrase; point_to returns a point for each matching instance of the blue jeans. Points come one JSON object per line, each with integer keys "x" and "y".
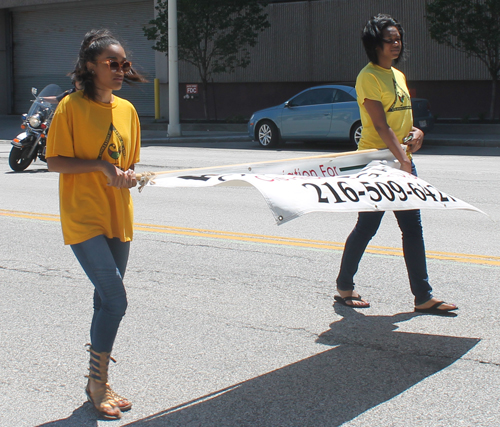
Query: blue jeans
{"x": 104, "y": 261}
{"x": 413, "y": 248}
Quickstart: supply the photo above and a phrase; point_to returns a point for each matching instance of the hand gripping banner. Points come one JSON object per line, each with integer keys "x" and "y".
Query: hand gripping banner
{"x": 322, "y": 184}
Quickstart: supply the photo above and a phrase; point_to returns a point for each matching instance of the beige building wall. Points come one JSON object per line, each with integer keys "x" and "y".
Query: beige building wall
{"x": 319, "y": 41}
{"x": 309, "y": 42}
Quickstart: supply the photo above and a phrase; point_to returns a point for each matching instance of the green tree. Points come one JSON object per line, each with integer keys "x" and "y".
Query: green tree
{"x": 213, "y": 35}
{"x": 470, "y": 26}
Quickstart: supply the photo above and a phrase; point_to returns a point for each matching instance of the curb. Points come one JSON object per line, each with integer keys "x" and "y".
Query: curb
{"x": 460, "y": 142}
{"x": 435, "y": 140}
{"x": 199, "y": 139}
{"x": 444, "y": 141}
{"x": 198, "y": 127}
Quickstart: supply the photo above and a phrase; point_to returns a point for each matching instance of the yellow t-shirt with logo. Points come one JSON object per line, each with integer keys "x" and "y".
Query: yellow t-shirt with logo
{"x": 91, "y": 130}
{"x": 388, "y": 87}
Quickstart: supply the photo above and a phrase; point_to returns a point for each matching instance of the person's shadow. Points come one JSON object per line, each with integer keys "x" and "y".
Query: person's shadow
{"x": 83, "y": 416}
{"x": 369, "y": 364}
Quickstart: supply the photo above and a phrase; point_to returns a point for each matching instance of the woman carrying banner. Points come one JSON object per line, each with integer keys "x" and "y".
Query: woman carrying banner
{"x": 94, "y": 143}
{"x": 386, "y": 115}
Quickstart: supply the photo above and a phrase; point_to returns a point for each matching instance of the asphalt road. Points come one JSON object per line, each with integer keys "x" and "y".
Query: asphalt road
{"x": 230, "y": 319}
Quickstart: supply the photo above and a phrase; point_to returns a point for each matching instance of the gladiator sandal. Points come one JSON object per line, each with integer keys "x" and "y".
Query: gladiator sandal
{"x": 123, "y": 403}
{"x": 101, "y": 397}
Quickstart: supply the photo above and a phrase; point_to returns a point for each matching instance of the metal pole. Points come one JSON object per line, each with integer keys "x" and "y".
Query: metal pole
{"x": 174, "y": 127}
{"x": 157, "y": 99}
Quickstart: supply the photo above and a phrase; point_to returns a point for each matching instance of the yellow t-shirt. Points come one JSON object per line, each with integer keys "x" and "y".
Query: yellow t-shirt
{"x": 92, "y": 130}
{"x": 388, "y": 87}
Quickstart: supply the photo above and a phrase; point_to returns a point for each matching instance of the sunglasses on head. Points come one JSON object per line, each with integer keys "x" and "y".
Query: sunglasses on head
{"x": 114, "y": 66}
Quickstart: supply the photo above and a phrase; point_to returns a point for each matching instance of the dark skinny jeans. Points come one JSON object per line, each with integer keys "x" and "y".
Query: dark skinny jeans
{"x": 413, "y": 248}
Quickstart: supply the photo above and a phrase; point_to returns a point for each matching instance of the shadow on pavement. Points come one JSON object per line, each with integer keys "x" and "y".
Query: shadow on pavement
{"x": 252, "y": 145}
{"x": 323, "y": 147}
{"x": 30, "y": 171}
{"x": 207, "y": 143}
{"x": 370, "y": 364}
{"x": 83, "y": 416}
{"x": 456, "y": 150}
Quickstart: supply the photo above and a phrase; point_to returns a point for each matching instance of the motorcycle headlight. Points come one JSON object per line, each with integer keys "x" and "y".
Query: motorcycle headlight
{"x": 35, "y": 121}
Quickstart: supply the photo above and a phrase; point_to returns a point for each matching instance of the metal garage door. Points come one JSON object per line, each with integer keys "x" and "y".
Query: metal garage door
{"x": 47, "y": 40}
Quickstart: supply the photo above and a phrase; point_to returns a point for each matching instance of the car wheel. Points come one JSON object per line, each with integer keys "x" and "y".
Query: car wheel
{"x": 267, "y": 134}
{"x": 355, "y": 134}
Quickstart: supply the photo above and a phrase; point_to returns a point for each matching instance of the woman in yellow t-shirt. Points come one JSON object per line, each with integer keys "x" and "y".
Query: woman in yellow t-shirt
{"x": 386, "y": 115}
{"x": 94, "y": 143}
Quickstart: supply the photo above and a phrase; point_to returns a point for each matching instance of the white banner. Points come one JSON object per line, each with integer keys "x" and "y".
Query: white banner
{"x": 377, "y": 187}
{"x": 319, "y": 166}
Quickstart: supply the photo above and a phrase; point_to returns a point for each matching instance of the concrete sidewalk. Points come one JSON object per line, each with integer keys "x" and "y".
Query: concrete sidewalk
{"x": 151, "y": 132}
{"x": 156, "y": 132}
{"x": 467, "y": 135}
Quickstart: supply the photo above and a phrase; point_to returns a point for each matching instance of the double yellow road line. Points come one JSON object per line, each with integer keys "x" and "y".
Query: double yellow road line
{"x": 274, "y": 240}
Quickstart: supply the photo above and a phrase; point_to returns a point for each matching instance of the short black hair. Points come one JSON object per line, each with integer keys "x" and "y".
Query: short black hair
{"x": 372, "y": 36}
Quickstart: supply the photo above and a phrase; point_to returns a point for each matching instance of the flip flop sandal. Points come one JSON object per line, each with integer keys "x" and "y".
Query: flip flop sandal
{"x": 435, "y": 309}
{"x": 343, "y": 301}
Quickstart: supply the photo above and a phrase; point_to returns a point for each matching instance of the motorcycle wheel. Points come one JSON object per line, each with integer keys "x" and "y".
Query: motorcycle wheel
{"x": 18, "y": 159}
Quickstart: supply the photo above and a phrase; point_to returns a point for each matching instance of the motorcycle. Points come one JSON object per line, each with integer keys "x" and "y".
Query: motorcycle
{"x": 31, "y": 143}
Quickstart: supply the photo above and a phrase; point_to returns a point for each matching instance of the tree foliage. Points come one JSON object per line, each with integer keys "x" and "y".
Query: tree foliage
{"x": 213, "y": 35}
{"x": 470, "y": 26}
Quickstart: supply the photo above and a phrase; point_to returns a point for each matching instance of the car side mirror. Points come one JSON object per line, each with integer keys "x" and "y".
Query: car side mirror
{"x": 34, "y": 91}
{"x": 288, "y": 104}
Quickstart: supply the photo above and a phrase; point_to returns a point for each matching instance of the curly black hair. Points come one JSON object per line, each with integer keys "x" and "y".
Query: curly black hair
{"x": 93, "y": 44}
{"x": 372, "y": 36}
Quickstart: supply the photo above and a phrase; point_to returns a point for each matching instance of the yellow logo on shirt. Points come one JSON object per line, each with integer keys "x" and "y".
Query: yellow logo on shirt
{"x": 114, "y": 150}
{"x": 400, "y": 97}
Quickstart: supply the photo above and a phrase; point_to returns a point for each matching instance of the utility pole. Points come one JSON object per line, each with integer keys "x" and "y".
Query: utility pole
{"x": 174, "y": 127}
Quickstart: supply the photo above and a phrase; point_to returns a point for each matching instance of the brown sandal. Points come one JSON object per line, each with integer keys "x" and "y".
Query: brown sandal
{"x": 106, "y": 402}
{"x": 123, "y": 403}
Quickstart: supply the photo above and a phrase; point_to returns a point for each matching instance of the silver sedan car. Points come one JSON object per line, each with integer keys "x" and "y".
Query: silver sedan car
{"x": 328, "y": 112}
